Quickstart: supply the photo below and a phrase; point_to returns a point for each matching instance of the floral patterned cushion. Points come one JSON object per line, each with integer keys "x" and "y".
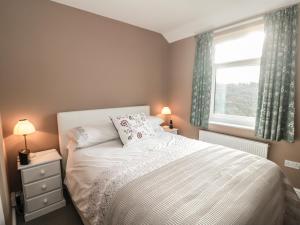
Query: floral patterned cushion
{"x": 133, "y": 127}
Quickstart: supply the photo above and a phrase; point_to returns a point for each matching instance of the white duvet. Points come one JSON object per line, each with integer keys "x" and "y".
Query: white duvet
{"x": 111, "y": 184}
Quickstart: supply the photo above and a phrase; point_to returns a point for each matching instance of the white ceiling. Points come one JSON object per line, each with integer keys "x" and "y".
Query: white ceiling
{"x": 178, "y": 19}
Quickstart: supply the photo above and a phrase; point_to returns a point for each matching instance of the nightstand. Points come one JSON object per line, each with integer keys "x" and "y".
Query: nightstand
{"x": 42, "y": 184}
{"x": 173, "y": 131}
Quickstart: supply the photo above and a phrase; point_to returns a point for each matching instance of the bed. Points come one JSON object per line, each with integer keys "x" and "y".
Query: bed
{"x": 170, "y": 179}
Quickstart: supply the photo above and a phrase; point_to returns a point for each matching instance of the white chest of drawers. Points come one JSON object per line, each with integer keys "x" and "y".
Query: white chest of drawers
{"x": 42, "y": 184}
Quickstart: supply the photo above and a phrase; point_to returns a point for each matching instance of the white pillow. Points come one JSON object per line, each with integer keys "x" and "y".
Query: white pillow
{"x": 133, "y": 127}
{"x": 85, "y": 136}
{"x": 155, "y": 123}
{"x": 155, "y": 120}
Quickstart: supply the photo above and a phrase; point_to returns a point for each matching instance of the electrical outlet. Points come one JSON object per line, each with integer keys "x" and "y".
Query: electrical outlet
{"x": 292, "y": 164}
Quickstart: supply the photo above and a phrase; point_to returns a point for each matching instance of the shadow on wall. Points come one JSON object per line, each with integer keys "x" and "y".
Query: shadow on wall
{"x": 185, "y": 128}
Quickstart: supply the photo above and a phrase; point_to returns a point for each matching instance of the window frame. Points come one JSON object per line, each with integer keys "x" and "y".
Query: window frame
{"x": 244, "y": 122}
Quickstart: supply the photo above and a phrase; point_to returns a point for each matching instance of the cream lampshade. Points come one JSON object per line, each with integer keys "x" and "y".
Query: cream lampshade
{"x": 167, "y": 111}
{"x": 24, "y": 127}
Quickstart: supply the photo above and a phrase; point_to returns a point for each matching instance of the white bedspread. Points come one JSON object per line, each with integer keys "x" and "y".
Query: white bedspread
{"x": 175, "y": 180}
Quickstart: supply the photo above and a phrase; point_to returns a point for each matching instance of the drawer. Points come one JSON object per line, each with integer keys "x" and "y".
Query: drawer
{"x": 42, "y": 186}
{"x": 44, "y": 200}
{"x": 40, "y": 172}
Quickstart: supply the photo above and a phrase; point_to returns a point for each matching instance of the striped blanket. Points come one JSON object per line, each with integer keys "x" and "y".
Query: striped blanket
{"x": 212, "y": 186}
{"x": 173, "y": 180}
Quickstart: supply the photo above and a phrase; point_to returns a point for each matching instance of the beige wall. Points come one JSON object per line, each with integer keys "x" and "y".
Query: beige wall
{"x": 180, "y": 64}
{"x": 4, "y": 190}
{"x": 55, "y": 58}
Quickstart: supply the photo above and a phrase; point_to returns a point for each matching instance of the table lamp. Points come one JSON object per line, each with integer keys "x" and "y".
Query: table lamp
{"x": 24, "y": 127}
{"x": 167, "y": 111}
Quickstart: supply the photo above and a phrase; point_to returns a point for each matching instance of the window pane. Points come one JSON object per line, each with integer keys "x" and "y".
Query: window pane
{"x": 236, "y": 90}
{"x": 247, "y": 46}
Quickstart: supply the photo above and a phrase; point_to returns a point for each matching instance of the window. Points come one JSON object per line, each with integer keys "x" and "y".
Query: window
{"x": 236, "y": 67}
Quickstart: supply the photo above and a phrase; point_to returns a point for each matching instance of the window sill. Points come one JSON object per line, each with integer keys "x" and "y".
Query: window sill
{"x": 231, "y": 125}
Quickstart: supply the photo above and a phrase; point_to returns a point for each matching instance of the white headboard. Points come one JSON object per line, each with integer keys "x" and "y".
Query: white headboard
{"x": 69, "y": 120}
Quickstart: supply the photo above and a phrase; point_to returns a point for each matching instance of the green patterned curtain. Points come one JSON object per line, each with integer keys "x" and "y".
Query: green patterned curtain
{"x": 202, "y": 77}
{"x": 276, "y": 103}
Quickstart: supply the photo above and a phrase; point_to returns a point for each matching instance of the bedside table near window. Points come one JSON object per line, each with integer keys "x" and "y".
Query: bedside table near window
{"x": 173, "y": 131}
{"x": 42, "y": 184}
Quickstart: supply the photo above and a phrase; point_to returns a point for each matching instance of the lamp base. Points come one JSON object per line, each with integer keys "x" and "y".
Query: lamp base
{"x": 24, "y": 156}
{"x": 171, "y": 124}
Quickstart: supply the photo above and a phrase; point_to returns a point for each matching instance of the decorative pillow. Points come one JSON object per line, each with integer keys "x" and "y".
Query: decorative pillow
{"x": 85, "y": 136}
{"x": 133, "y": 127}
{"x": 155, "y": 123}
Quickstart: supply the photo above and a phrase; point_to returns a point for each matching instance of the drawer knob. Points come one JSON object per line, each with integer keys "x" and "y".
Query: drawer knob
{"x": 45, "y": 201}
{"x": 44, "y": 187}
{"x": 43, "y": 172}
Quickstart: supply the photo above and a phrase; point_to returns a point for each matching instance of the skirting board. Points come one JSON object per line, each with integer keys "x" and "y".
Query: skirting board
{"x": 13, "y": 216}
{"x": 44, "y": 211}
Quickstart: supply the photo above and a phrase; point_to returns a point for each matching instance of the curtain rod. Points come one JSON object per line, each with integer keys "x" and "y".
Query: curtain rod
{"x": 245, "y": 21}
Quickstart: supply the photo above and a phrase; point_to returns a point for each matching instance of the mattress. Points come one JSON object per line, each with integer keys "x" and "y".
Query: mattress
{"x": 170, "y": 179}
